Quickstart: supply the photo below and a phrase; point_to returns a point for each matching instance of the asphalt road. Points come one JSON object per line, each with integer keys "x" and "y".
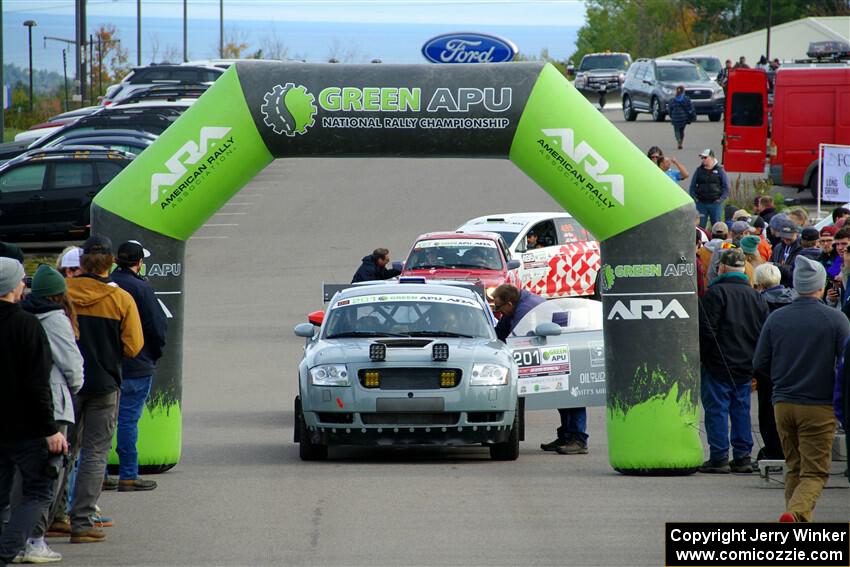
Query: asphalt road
{"x": 240, "y": 495}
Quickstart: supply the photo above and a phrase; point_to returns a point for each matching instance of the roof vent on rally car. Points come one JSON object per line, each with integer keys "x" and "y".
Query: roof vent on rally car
{"x": 377, "y": 352}
{"x": 411, "y": 279}
{"x": 440, "y": 351}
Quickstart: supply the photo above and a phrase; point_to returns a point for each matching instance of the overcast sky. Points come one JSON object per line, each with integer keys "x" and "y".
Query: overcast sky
{"x": 460, "y": 12}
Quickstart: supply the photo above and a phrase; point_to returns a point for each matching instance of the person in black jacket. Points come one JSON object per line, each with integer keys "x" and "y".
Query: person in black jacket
{"x": 682, "y": 113}
{"x": 731, "y": 316}
{"x": 709, "y": 187}
{"x": 28, "y": 432}
{"x": 374, "y": 267}
{"x": 786, "y": 251}
{"x": 137, "y": 373}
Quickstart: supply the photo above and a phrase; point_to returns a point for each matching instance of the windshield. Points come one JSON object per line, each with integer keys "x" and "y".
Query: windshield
{"x": 709, "y": 64}
{"x": 681, "y": 74}
{"x": 592, "y": 62}
{"x": 407, "y": 315}
{"x": 455, "y": 253}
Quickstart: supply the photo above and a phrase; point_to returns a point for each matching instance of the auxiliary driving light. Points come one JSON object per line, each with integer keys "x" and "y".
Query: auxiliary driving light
{"x": 440, "y": 351}
{"x": 448, "y": 379}
{"x": 371, "y": 379}
{"x": 377, "y": 352}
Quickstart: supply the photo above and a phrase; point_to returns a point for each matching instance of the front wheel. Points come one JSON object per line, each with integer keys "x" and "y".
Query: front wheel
{"x": 307, "y": 450}
{"x": 657, "y": 113}
{"x": 509, "y": 450}
{"x": 628, "y": 111}
{"x": 715, "y": 116}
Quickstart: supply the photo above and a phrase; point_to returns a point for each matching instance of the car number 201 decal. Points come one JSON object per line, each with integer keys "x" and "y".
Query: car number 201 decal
{"x": 543, "y": 361}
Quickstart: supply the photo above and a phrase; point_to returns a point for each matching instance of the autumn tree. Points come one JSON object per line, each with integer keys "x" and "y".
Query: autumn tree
{"x": 111, "y": 61}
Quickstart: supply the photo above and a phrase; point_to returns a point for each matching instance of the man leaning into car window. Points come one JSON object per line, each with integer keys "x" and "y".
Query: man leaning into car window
{"x": 374, "y": 267}
{"x": 513, "y": 305}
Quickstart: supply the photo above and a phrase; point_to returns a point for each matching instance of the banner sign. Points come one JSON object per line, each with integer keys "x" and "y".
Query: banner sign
{"x": 835, "y": 173}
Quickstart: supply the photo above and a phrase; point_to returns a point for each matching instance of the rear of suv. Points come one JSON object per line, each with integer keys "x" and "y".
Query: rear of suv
{"x": 49, "y": 192}
{"x": 601, "y": 71}
{"x": 650, "y": 85}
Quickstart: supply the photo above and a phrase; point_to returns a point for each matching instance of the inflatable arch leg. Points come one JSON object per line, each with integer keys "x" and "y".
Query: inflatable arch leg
{"x": 527, "y": 112}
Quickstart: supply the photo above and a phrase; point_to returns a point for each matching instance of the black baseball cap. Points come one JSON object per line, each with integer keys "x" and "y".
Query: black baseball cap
{"x": 132, "y": 251}
{"x": 97, "y": 245}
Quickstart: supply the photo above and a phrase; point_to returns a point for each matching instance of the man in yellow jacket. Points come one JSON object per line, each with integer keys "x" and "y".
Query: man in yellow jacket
{"x": 110, "y": 329}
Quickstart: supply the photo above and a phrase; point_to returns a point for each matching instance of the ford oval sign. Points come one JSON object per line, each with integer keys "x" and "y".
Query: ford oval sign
{"x": 468, "y": 48}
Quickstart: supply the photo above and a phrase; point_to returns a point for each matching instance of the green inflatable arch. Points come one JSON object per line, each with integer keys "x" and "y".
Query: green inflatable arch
{"x": 526, "y": 112}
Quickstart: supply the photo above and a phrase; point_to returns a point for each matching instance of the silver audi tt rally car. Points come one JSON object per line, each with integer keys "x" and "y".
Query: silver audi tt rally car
{"x": 406, "y": 363}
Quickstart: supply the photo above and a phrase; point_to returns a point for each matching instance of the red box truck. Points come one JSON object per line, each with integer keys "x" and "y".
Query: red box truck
{"x": 780, "y": 137}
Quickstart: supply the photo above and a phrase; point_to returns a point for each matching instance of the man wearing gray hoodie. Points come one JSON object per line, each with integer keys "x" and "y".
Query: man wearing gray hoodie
{"x": 798, "y": 349}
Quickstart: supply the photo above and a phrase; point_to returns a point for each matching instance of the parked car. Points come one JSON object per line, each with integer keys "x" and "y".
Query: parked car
{"x": 54, "y": 123}
{"x": 50, "y": 191}
{"x": 651, "y": 83}
{"x": 709, "y": 63}
{"x": 107, "y": 140}
{"x": 144, "y": 77}
{"x": 406, "y": 363}
{"x": 473, "y": 257}
{"x": 598, "y": 71}
{"x": 165, "y": 93}
{"x": 566, "y": 264}
{"x": 149, "y": 117}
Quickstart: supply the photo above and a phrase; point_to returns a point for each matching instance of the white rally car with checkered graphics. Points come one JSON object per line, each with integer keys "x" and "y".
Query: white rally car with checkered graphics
{"x": 565, "y": 265}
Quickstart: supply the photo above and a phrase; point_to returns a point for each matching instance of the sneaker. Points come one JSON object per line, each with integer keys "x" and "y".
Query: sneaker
{"x": 136, "y": 485}
{"x": 19, "y": 558}
{"x": 787, "y": 517}
{"x": 553, "y": 446}
{"x": 100, "y": 521}
{"x": 574, "y": 447}
{"x": 715, "y": 467}
{"x": 110, "y": 483}
{"x": 59, "y": 528}
{"x": 39, "y": 554}
{"x": 91, "y": 535}
{"x": 744, "y": 465}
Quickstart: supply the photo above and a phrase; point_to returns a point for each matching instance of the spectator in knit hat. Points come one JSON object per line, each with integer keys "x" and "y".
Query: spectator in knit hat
{"x": 731, "y": 316}
{"x": 9, "y": 250}
{"x": 28, "y": 431}
{"x": 810, "y": 248}
{"x": 798, "y": 349}
{"x": 738, "y": 231}
{"x": 750, "y": 245}
{"x": 787, "y": 249}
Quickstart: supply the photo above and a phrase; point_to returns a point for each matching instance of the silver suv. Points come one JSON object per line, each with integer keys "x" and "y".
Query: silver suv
{"x": 598, "y": 71}
{"x": 651, "y": 83}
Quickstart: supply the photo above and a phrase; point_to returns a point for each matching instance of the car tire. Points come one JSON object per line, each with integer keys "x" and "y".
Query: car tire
{"x": 307, "y": 450}
{"x": 655, "y": 109}
{"x": 509, "y": 450}
{"x": 715, "y": 116}
{"x": 628, "y": 110}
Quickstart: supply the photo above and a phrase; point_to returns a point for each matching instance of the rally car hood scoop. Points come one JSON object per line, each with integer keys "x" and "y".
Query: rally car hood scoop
{"x": 405, "y": 343}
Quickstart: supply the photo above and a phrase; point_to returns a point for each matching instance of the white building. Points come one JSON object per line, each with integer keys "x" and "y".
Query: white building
{"x": 788, "y": 41}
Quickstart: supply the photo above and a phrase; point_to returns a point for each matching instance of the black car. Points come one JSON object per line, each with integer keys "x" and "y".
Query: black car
{"x": 165, "y": 92}
{"x": 49, "y": 192}
{"x": 651, "y": 83}
{"x": 154, "y": 120}
{"x": 166, "y": 74}
{"x": 130, "y": 144}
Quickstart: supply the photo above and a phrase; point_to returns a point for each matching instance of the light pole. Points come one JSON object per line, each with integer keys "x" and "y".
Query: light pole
{"x": 30, "y": 24}
{"x": 221, "y": 29}
{"x": 185, "y": 31}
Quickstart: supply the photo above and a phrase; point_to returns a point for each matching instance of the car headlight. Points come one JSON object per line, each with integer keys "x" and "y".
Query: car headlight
{"x": 668, "y": 90}
{"x": 329, "y": 375}
{"x": 489, "y": 375}
{"x": 718, "y": 92}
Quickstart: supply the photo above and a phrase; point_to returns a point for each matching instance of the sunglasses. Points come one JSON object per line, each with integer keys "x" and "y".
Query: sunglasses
{"x": 498, "y": 307}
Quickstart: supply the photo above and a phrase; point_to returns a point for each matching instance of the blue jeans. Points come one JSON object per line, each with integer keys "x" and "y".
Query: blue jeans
{"x": 725, "y": 403}
{"x": 134, "y": 392}
{"x": 711, "y": 211}
{"x": 573, "y": 424}
{"x": 30, "y": 457}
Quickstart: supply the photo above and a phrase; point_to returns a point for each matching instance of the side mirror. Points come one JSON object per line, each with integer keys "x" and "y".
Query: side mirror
{"x": 547, "y": 330}
{"x": 514, "y": 264}
{"x": 316, "y": 318}
{"x": 398, "y": 266}
{"x": 305, "y": 330}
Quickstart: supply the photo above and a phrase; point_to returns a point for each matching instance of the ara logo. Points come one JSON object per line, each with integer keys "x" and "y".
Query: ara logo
{"x": 289, "y": 109}
{"x": 593, "y": 163}
{"x": 647, "y": 309}
{"x": 189, "y": 153}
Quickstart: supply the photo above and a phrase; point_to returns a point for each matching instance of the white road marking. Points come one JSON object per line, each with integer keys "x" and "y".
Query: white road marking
{"x": 222, "y": 224}
{"x": 230, "y": 213}
{"x": 207, "y": 237}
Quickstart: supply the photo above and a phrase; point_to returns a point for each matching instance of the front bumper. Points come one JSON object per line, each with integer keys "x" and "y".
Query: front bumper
{"x": 714, "y": 106}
